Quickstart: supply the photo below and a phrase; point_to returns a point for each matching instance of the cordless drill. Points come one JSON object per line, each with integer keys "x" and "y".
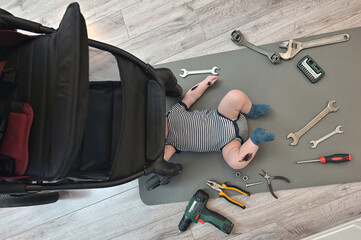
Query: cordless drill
{"x": 197, "y": 211}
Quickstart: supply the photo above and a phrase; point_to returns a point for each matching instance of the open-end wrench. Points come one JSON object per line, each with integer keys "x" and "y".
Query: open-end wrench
{"x": 316, "y": 142}
{"x": 186, "y": 73}
{"x": 296, "y": 136}
{"x": 238, "y": 38}
{"x": 293, "y": 47}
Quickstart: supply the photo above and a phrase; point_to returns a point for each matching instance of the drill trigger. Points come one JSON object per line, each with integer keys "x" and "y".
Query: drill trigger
{"x": 201, "y": 221}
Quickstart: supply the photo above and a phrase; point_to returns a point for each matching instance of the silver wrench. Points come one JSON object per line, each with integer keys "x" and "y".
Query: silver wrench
{"x": 186, "y": 73}
{"x": 296, "y": 136}
{"x": 336, "y": 131}
{"x": 238, "y": 38}
{"x": 293, "y": 47}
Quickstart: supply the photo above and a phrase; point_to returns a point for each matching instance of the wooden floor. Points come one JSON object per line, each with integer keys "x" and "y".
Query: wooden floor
{"x": 158, "y": 31}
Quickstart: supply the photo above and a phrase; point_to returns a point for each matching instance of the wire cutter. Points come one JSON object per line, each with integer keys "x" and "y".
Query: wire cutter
{"x": 220, "y": 188}
{"x": 270, "y": 178}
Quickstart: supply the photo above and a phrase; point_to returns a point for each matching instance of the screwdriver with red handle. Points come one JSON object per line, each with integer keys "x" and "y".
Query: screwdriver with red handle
{"x": 336, "y": 158}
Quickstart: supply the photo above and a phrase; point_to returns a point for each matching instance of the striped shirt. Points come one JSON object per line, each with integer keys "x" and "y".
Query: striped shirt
{"x": 202, "y": 130}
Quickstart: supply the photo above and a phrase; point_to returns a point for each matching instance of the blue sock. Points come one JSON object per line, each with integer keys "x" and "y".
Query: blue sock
{"x": 258, "y": 110}
{"x": 261, "y": 135}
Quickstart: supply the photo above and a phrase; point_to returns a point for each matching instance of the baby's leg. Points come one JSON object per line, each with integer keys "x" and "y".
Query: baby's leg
{"x": 234, "y": 102}
{"x": 238, "y": 156}
{"x": 237, "y": 101}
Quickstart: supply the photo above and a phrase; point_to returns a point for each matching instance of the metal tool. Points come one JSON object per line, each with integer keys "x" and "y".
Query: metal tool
{"x": 238, "y": 38}
{"x": 336, "y": 158}
{"x": 270, "y": 178}
{"x": 336, "y": 131}
{"x": 296, "y": 136}
{"x": 211, "y": 71}
{"x": 220, "y": 188}
{"x": 310, "y": 69}
{"x": 253, "y": 184}
{"x": 293, "y": 47}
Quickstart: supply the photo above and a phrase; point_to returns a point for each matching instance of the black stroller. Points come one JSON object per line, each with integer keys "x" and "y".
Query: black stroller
{"x": 60, "y": 131}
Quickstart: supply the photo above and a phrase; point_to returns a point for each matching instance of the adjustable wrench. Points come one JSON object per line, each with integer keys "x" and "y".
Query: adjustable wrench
{"x": 186, "y": 73}
{"x": 293, "y": 47}
{"x": 316, "y": 142}
{"x": 238, "y": 38}
{"x": 296, "y": 136}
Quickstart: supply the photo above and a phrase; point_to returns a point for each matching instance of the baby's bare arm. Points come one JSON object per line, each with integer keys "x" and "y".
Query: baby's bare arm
{"x": 196, "y": 91}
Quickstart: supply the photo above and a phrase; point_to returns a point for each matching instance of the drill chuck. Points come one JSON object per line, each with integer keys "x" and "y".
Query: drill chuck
{"x": 184, "y": 223}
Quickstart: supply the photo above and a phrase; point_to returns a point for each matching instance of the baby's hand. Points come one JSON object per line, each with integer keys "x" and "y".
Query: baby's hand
{"x": 210, "y": 80}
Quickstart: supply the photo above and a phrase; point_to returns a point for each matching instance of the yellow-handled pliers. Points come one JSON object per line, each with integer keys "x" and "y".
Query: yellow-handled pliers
{"x": 226, "y": 186}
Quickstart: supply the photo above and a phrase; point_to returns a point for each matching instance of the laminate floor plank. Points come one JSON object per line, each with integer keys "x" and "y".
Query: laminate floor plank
{"x": 148, "y": 15}
{"x": 17, "y": 220}
{"x": 105, "y": 220}
{"x": 163, "y": 229}
{"x": 174, "y": 37}
{"x": 217, "y": 18}
{"x": 328, "y": 215}
{"x": 111, "y": 29}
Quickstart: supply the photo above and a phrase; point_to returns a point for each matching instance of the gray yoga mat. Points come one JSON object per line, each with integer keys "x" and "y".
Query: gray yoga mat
{"x": 294, "y": 102}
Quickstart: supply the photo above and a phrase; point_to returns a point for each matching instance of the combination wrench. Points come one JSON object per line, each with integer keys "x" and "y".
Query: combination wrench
{"x": 186, "y": 73}
{"x": 293, "y": 47}
{"x": 336, "y": 131}
{"x": 238, "y": 38}
{"x": 296, "y": 136}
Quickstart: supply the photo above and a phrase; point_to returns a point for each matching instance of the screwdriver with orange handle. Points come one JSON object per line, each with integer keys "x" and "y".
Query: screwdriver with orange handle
{"x": 336, "y": 158}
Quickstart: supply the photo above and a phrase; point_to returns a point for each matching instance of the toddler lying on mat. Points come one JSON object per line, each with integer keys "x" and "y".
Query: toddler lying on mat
{"x": 224, "y": 129}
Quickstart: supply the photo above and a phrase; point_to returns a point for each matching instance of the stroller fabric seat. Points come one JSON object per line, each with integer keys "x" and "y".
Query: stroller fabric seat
{"x": 52, "y": 76}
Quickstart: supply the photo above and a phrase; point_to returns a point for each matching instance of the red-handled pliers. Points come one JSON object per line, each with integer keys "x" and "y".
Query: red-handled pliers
{"x": 270, "y": 178}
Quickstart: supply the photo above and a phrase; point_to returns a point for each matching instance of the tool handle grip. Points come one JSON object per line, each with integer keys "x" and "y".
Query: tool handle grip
{"x": 235, "y": 188}
{"x": 326, "y": 40}
{"x": 271, "y": 190}
{"x": 336, "y": 158}
{"x": 234, "y": 202}
{"x": 282, "y": 178}
{"x": 217, "y": 220}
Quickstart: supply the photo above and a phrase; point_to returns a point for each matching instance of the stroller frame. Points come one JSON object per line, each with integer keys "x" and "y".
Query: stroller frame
{"x": 161, "y": 82}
